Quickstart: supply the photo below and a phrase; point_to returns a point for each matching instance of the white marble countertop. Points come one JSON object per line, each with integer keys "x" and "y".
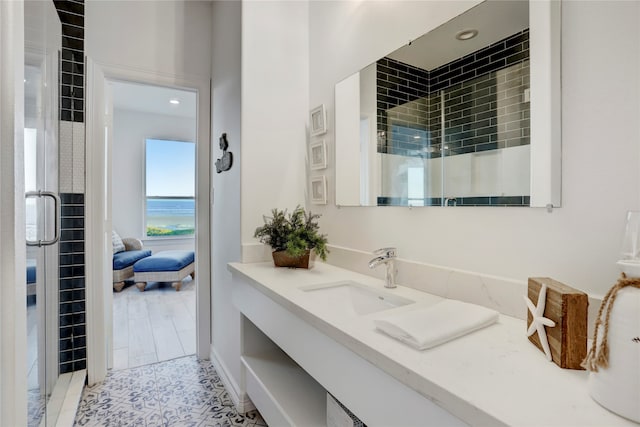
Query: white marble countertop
{"x": 494, "y": 376}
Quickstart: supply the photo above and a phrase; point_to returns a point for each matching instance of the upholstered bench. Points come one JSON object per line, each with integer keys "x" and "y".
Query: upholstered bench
{"x": 165, "y": 266}
{"x": 124, "y": 260}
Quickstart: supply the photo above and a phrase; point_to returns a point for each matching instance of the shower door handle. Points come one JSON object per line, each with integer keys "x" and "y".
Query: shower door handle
{"x": 56, "y": 218}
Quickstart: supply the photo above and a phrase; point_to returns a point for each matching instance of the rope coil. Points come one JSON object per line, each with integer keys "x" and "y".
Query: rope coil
{"x": 598, "y": 355}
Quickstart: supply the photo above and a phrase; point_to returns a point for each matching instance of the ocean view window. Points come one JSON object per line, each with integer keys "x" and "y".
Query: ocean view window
{"x": 170, "y": 188}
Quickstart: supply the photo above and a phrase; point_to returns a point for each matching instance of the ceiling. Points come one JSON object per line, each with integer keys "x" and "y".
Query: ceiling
{"x": 153, "y": 99}
{"x": 494, "y": 20}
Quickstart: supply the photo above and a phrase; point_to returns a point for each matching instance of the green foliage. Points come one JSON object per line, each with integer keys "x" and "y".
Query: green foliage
{"x": 295, "y": 232}
{"x": 159, "y": 231}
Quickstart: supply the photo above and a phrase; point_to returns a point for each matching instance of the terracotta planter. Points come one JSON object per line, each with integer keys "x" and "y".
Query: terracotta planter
{"x": 283, "y": 259}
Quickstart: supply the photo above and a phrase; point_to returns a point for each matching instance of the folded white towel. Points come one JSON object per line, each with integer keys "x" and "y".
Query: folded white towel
{"x": 437, "y": 324}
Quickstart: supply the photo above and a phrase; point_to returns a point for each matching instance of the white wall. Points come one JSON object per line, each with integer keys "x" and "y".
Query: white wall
{"x": 347, "y": 125}
{"x": 130, "y": 130}
{"x": 167, "y": 37}
{"x": 275, "y": 108}
{"x": 369, "y": 135}
{"x": 259, "y": 98}
{"x": 225, "y": 224}
{"x": 578, "y": 243}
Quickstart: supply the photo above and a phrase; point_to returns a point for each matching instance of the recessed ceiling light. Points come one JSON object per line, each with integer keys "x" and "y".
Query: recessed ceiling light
{"x": 174, "y": 101}
{"x": 416, "y": 136}
{"x": 466, "y": 34}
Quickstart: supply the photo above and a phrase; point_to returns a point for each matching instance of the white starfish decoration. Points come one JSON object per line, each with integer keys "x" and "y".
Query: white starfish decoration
{"x": 539, "y": 321}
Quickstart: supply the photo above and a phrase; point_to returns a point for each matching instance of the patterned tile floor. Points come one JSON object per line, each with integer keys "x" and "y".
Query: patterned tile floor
{"x": 180, "y": 392}
{"x": 35, "y": 406}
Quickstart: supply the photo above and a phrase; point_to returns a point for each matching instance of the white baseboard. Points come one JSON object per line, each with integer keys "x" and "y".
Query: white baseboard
{"x": 240, "y": 399}
{"x": 65, "y": 397}
{"x": 72, "y": 398}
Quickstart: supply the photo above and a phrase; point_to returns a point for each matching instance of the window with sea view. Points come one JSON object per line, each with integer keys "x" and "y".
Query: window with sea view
{"x": 170, "y": 184}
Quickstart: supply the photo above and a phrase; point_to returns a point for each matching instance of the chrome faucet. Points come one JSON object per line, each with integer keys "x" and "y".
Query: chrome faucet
{"x": 386, "y": 256}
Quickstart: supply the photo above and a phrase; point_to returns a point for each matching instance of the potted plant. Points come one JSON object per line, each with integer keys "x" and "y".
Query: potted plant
{"x": 294, "y": 238}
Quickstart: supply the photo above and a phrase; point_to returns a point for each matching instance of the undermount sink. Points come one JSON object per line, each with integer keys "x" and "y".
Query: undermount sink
{"x": 353, "y": 297}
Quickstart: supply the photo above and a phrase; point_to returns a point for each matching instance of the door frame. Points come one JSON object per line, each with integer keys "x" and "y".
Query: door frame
{"x": 99, "y": 316}
{"x": 13, "y": 311}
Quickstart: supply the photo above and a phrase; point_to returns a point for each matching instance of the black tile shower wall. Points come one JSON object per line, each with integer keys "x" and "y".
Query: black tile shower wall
{"x": 73, "y": 338}
{"x": 71, "y": 13}
{"x": 401, "y": 93}
{"x": 484, "y": 105}
{"x": 488, "y": 112}
{"x": 399, "y": 83}
{"x": 496, "y": 56}
{"x": 72, "y": 314}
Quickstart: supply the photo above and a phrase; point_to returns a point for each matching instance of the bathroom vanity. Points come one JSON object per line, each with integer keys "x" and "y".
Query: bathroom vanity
{"x": 301, "y": 339}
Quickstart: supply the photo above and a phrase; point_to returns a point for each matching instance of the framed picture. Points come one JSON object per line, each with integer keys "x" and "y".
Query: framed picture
{"x": 318, "y": 155}
{"x": 319, "y": 190}
{"x": 318, "y": 121}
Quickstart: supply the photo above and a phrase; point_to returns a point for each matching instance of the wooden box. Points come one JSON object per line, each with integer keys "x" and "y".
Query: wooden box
{"x": 568, "y": 308}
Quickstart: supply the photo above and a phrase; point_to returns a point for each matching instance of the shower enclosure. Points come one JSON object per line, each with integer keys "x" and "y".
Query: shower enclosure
{"x": 42, "y": 44}
{"x": 465, "y": 144}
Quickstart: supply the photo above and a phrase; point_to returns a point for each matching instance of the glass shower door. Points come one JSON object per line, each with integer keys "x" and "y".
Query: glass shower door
{"x": 42, "y": 44}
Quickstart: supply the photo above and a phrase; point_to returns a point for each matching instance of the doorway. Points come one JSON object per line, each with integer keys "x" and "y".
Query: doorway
{"x": 153, "y": 201}
{"x": 99, "y": 256}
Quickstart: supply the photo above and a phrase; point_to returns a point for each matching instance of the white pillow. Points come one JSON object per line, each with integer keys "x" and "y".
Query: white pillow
{"x": 116, "y": 241}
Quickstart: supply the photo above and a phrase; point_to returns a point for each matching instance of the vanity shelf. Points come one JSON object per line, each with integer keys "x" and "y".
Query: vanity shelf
{"x": 284, "y": 393}
{"x": 275, "y": 382}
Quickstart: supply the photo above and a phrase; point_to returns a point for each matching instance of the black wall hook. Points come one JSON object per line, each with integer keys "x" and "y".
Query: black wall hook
{"x": 225, "y": 162}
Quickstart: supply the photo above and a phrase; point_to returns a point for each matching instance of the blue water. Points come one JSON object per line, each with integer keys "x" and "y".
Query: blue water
{"x": 171, "y": 207}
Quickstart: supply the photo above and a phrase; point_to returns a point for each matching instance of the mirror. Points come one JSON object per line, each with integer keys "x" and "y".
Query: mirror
{"x": 465, "y": 115}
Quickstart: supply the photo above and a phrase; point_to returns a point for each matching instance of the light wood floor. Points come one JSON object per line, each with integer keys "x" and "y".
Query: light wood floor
{"x": 155, "y": 325}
